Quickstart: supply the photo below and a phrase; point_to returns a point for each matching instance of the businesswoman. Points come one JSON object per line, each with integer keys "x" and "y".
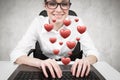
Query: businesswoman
{"x": 57, "y": 11}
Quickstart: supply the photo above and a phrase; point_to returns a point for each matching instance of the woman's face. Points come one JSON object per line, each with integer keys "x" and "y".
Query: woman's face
{"x": 57, "y": 9}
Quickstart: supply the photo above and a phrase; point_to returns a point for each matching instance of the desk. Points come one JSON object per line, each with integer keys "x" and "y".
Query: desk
{"x": 6, "y": 69}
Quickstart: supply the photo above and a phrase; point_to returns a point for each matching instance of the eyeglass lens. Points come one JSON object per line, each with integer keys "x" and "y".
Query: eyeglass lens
{"x": 53, "y": 5}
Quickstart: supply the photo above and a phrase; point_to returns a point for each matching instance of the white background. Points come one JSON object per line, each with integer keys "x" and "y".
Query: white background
{"x": 102, "y": 17}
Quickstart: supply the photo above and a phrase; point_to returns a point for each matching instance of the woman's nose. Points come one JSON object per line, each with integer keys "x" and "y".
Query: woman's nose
{"x": 59, "y": 8}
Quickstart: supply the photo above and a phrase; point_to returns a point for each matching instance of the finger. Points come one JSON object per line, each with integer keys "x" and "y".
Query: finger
{"x": 44, "y": 70}
{"x": 83, "y": 68}
{"x": 79, "y": 68}
{"x": 51, "y": 69}
{"x": 56, "y": 68}
{"x": 74, "y": 66}
{"x": 88, "y": 69}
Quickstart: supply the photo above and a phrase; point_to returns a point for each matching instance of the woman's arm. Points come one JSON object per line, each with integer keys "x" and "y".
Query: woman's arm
{"x": 91, "y": 58}
{"x": 28, "y": 61}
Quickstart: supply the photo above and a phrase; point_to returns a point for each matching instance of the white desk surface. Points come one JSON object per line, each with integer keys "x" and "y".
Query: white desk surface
{"x": 7, "y": 68}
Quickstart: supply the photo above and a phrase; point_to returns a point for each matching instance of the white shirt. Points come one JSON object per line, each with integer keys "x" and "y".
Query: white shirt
{"x": 37, "y": 32}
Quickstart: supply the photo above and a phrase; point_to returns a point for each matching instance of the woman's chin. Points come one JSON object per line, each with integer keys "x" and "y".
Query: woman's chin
{"x": 59, "y": 20}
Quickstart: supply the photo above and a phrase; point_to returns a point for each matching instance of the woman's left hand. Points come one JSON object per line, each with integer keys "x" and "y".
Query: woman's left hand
{"x": 80, "y": 68}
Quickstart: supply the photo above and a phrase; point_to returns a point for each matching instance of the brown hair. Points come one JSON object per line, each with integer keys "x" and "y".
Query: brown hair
{"x": 46, "y": 0}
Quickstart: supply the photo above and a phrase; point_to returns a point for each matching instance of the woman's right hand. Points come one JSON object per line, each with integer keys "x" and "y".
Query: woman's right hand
{"x": 53, "y": 67}
{"x": 51, "y": 64}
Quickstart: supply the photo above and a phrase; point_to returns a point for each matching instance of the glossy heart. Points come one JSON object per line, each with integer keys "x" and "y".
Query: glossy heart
{"x": 70, "y": 44}
{"x": 67, "y": 22}
{"x": 77, "y": 38}
{"x": 65, "y": 60}
{"x": 76, "y": 19}
{"x": 52, "y": 40}
{"x": 54, "y": 20}
{"x": 48, "y": 27}
{"x": 70, "y": 53}
{"x": 60, "y": 43}
{"x": 56, "y": 51}
{"x": 65, "y": 33}
{"x": 81, "y": 29}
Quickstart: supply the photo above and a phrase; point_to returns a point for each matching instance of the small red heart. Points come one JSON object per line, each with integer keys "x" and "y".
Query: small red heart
{"x": 65, "y": 33}
{"x": 67, "y": 22}
{"x": 77, "y": 38}
{"x": 69, "y": 53}
{"x": 60, "y": 43}
{"x": 54, "y": 20}
{"x": 71, "y": 44}
{"x": 65, "y": 61}
{"x": 48, "y": 27}
{"x": 76, "y": 19}
{"x": 81, "y": 29}
{"x": 52, "y": 40}
{"x": 56, "y": 51}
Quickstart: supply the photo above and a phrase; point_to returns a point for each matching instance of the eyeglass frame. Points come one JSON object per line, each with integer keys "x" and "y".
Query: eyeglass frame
{"x": 46, "y": 3}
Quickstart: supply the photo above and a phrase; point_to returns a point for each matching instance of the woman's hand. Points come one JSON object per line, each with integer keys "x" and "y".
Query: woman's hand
{"x": 51, "y": 64}
{"x": 80, "y": 68}
{"x": 53, "y": 67}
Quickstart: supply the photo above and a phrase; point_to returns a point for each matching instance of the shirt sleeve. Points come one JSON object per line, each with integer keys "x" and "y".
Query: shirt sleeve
{"x": 88, "y": 46}
{"x": 27, "y": 42}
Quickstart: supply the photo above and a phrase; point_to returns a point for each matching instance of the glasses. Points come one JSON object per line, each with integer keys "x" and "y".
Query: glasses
{"x": 54, "y": 5}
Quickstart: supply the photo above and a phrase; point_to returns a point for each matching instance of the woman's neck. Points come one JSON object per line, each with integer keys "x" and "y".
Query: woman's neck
{"x": 57, "y": 25}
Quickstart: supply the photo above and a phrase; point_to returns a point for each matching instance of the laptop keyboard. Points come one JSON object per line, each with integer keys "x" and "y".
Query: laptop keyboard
{"x": 28, "y": 75}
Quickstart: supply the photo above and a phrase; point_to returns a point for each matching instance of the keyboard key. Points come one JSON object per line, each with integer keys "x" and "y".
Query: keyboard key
{"x": 28, "y": 75}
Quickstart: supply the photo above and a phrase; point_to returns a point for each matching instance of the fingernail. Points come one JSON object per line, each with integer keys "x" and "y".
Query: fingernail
{"x": 72, "y": 74}
{"x": 86, "y": 74}
{"x": 46, "y": 76}
{"x": 81, "y": 75}
{"x": 77, "y": 76}
{"x": 59, "y": 76}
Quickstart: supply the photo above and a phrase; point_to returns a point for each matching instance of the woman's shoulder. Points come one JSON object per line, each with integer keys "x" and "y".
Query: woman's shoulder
{"x": 41, "y": 18}
{"x": 38, "y": 22}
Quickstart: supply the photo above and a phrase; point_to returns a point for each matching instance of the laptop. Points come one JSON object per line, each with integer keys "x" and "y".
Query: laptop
{"x": 24, "y": 72}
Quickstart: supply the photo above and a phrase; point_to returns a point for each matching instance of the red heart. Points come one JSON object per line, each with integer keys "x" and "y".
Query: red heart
{"x": 70, "y": 44}
{"x": 60, "y": 43}
{"x": 65, "y": 33}
{"x": 77, "y": 38}
{"x": 54, "y": 20}
{"x": 65, "y": 61}
{"x": 69, "y": 53}
{"x": 48, "y": 27}
{"x": 56, "y": 51}
{"x": 81, "y": 29}
{"x": 76, "y": 19}
{"x": 67, "y": 22}
{"x": 52, "y": 40}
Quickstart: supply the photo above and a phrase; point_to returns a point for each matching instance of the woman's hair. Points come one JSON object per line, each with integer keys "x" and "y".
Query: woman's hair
{"x": 46, "y": 0}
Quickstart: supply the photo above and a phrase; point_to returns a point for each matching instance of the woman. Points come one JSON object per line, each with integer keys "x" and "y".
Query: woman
{"x": 57, "y": 11}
